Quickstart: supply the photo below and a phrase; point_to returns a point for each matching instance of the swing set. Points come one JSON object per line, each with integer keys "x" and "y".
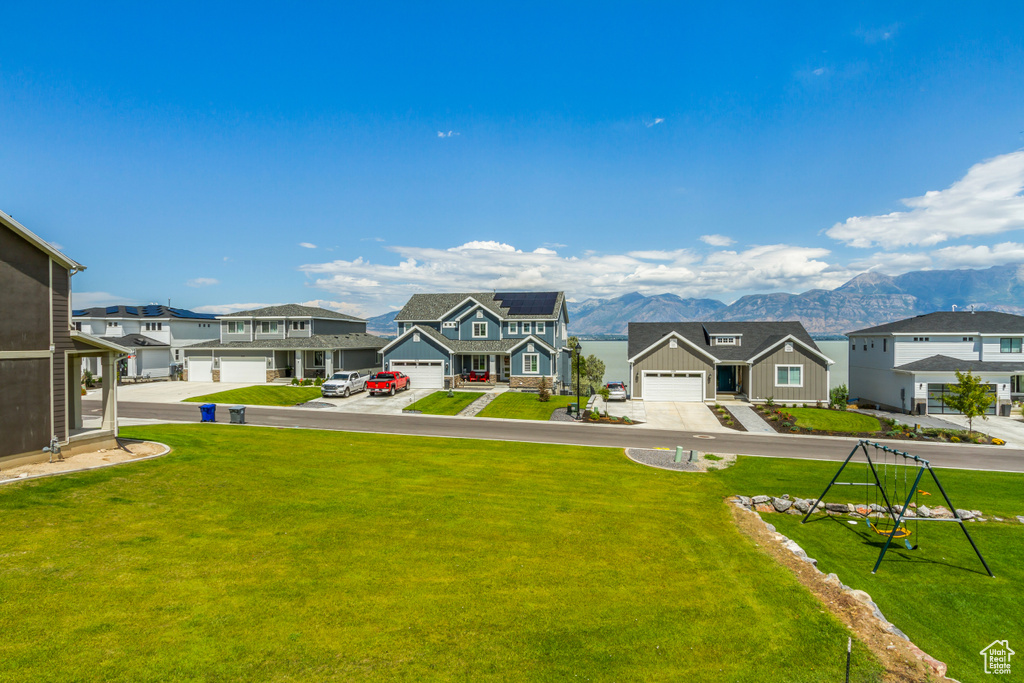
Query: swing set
{"x": 893, "y": 496}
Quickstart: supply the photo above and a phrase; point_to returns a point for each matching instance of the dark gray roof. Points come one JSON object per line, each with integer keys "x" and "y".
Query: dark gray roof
{"x": 473, "y": 345}
{"x": 755, "y": 336}
{"x": 292, "y": 311}
{"x": 948, "y": 364}
{"x": 151, "y": 311}
{"x": 134, "y": 341}
{"x": 432, "y": 306}
{"x": 356, "y": 340}
{"x": 953, "y": 322}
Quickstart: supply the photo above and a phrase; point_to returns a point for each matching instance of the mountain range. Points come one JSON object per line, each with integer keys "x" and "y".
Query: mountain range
{"x": 866, "y": 300}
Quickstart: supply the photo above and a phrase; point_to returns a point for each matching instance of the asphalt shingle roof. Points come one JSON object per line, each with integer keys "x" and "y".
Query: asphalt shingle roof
{"x": 432, "y": 306}
{"x": 953, "y": 322}
{"x": 152, "y": 311}
{"x": 947, "y": 364}
{"x": 756, "y": 336}
{"x": 134, "y": 341}
{"x": 292, "y": 311}
{"x": 356, "y": 340}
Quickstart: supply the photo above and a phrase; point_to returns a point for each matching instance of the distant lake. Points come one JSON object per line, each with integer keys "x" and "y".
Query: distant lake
{"x": 614, "y": 355}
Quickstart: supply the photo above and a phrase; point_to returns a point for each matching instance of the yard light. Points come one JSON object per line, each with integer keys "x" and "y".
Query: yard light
{"x": 577, "y": 350}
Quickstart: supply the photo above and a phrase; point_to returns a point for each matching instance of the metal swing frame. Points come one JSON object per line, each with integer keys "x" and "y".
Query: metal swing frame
{"x": 922, "y": 466}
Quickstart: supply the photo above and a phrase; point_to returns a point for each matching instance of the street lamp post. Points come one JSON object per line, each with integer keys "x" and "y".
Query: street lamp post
{"x": 577, "y": 350}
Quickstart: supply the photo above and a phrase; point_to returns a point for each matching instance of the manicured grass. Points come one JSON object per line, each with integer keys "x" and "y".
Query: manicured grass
{"x": 288, "y": 555}
{"x": 834, "y": 420}
{"x": 939, "y": 594}
{"x": 261, "y": 396}
{"x": 524, "y": 406}
{"x": 438, "y": 402}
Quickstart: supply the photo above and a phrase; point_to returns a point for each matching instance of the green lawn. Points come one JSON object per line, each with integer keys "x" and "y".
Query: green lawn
{"x": 438, "y": 402}
{"x": 525, "y": 406}
{"x": 834, "y": 420}
{"x": 939, "y": 595}
{"x": 262, "y": 396}
{"x": 287, "y": 555}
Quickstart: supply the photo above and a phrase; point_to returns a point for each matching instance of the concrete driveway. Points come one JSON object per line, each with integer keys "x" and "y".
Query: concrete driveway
{"x": 171, "y": 392}
{"x": 692, "y": 417}
{"x": 378, "y": 405}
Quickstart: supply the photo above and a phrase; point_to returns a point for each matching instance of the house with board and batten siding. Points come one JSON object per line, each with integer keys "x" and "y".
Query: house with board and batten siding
{"x": 695, "y": 361}
{"x": 41, "y": 355}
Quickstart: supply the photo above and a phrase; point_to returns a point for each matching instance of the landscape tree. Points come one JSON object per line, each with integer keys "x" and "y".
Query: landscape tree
{"x": 969, "y": 396}
{"x": 595, "y": 372}
{"x": 543, "y": 392}
{"x": 838, "y": 397}
{"x": 604, "y": 393}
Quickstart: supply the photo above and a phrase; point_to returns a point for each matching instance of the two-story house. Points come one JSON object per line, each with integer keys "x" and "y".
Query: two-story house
{"x": 908, "y": 365}
{"x": 264, "y": 344}
{"x": 707, "y": 361}
{"x": 155, "y": 335}
{"x": 41, "y": 356}
{"x": 514, "y": 337}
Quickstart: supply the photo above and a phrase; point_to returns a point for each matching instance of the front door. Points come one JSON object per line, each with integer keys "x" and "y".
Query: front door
{"x": 506, "y": 367}
{"x": 726, "y": 378}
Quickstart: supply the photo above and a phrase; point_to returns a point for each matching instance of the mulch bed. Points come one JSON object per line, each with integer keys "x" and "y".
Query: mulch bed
{"x": 736, "y": 425}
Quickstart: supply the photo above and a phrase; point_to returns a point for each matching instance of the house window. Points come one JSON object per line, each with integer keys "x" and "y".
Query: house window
{"x": 449, "y": 325}
{"x": 725, "y": 341}
{"x": 968, "y": 339}
{"x": 853, "y": 347}
{"x": 318, "y": 359}
{"x": 922, "y": 339}
{"x": 872, "y": 343}
{"x": 177, "y": 354}
{"x": 78, "y": 326}
{"x": 1009, "y": 345}
{"x": 540, "y": 328}
{"x": 789, "y": 375}
{"x": 479, "y": 329}
{"x": 531, "y": 363}
{"x": 478, "y": 363}
{"x": 513, "y": 328}
{"x": 789, "y": 347}
{"x": 298, "y": 325}
{"x": 159, "y": 326}
{"x": 268, "y": 327}
{"x": 526, "y": 328}
{"x": 236, "y": 327}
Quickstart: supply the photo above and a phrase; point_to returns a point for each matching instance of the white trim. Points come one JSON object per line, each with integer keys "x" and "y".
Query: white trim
{"x": 531, "y": 338}
{"x": 539, "y": 327}
{"x": 790, "y": 337}
{"x": 41, "y": 244}
{"x": 479, "y": 336}
{"x": 15, "y": 355}
{"x": 459, "y": 305}
{"x": 677, "y": 336}
{"x": 100, "y": 343}
{"x": 681, "y": 373}
{"x": 535, "y": 356}
{"x": 405, "y": 334}
{"x": 788, "y": 386}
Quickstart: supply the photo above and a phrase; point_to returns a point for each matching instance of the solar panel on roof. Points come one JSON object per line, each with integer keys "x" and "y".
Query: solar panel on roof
{"x": 131, "y": 310}
{"x": 111, "y": 310}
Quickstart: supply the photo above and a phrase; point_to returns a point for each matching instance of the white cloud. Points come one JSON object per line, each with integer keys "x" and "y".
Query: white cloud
{"x": 443, "y": 134}
{"x": 820, "y": 71}
{"x": 966, "y": 256}
{"x": 371, "y": 239}
{"x": 93, "y": 299}
{"x": 879, "y": 34}
{"x": 339, "y": 306}
{"x": 202, "y": 282}
{"x": 986, "y": 201}
{"x": 307, "y": 245}
{"x": 653, "y": 123}
{"x": 230, "y": 308}
{"x": 717, "y": 240}
{"x": 486, "y": 265}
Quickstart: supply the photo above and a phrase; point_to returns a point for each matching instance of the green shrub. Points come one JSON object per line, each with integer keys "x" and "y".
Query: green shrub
{"x": 712, "y": 456}
{"x": 839, "y": 397}
{"x": 295, "y": 381}
{"x": 794, "y": 428}
{"x": 787, "y": 425}
{"x": 955, "y": 439}
{"x": 318, "y": 381}
{"x": 774, "y": 418}
{"x": 769, "y": 401}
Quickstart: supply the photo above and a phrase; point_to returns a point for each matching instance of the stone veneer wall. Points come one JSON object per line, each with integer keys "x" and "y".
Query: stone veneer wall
{"x": 216, "y": 375}
{"x": 276, "y": 374}
{"x": 520, "y": 382}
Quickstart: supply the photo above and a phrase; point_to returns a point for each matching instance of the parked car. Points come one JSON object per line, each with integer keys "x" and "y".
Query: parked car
{"x": 344, "y": 384}
{"x": 617, "y": 391}
{"x": 387, "y": 383}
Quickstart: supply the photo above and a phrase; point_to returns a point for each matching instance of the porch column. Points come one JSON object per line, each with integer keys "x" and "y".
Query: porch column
{"x": 328, "y": 363}
{"x": 75, "y": 388}
{"x": 492, "y": 363}
{"x": 298, "y": 364}
{"x": 109, "y": 392}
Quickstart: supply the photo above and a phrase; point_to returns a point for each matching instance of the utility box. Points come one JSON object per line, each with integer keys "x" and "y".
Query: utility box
{"x": 208, "y": 411}
{"x": 237, "y": 415}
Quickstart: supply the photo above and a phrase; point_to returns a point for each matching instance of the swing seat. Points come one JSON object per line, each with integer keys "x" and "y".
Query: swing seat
{"x": 901, "y": 532}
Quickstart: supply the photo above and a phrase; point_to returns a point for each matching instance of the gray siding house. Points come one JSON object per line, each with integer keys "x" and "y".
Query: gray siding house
{"x": 907, "y": 365}
{"x": 513, "y": 337}
{"x": 41, "y": 356}
{"x": 264, "y": 344}
{"x": 696, "y": 361}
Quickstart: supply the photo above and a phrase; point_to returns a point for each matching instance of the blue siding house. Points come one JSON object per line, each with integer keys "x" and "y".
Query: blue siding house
{"x": 507, "y": 337}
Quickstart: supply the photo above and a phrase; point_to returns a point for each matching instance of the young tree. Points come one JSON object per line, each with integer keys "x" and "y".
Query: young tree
{"x": 543, "y": 392}
{"x": 839, "y": 397}
{"x": 595, "y": 372}
{"x": 604, "y": 393}
{"x": 969, "y": 397}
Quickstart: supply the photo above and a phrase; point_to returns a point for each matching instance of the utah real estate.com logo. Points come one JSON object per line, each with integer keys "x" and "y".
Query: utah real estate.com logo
{"x": 997, "y": 657}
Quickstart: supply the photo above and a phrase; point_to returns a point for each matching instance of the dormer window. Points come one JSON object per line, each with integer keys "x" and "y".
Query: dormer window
{"x": 526, "y": 328}
{"x": 449, "y": 325}
{"x": 480, "y": 330}
{"x": 298, "y": 325}
{"x": 725, "y": 341}
{"x": 269, "y": 327}
{"x": 235, "y": 327}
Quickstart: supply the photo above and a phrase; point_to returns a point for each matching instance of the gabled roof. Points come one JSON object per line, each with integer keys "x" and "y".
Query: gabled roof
{"x": 98, "y": 342}
{"x": 150, "y": 311}
{"x": 940, "y": 363}
{"x": 292, "y": 311}
{"x": 134, "y": 341}
{"x": 317, "y": 342}
{"x": 39, "y": 242}
{"x": 756, "y": 337}
{"x": 952, "y": 322}
{"x": 432, "y": 307}
{"x": 469, "y": 346}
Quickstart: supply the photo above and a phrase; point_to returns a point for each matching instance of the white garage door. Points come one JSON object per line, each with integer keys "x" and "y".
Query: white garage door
{"x": 423, "y": 374}
{"x": 252, "y": 370}
{"x": 200, "y": 370}
{"x": 673, "y": 387}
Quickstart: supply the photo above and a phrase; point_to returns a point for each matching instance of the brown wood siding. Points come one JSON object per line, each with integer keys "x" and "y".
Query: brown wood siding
{"x": 815, "y": 376}
{"x": 24, "y": 294}
{"x": 664, "y": 358}
{"x": 24, "y": 405}
{"x": 61, "y": 344}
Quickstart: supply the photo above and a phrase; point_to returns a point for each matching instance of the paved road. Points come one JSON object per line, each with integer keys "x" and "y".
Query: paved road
{"x": 772, "y": 445}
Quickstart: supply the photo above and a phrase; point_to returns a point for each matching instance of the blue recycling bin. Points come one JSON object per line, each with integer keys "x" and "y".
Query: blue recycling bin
{"x": 209, "y": 412}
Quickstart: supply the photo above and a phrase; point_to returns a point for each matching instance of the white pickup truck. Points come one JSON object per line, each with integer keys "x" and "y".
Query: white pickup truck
{"x": 344, "y": 384}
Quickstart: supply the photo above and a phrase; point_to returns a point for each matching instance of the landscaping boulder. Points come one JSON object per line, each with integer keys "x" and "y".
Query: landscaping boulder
{"x": 744, "y": 501}
{"x": 941, "y": 512}
{"x": 761, "y": 507}
{"x": 877, "y": 508}
{"x": 837, "y": 507}
{"x": 1020, "y": 519}
{"x": 781, "y": 504}
{"x": 802, "y": 505}
{"x": 757, "y": 500}
{"x": 924, "y": 511}
{"x": 964, "y": 514}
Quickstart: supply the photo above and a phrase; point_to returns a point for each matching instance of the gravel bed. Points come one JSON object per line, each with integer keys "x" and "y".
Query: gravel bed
{"x": 662, "y": 459}
{"x": 561, "y": 416}
{"x": 315, "y": 404}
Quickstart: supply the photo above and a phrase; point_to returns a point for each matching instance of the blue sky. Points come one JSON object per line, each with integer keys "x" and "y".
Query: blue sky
{"x": 190, "y": 151}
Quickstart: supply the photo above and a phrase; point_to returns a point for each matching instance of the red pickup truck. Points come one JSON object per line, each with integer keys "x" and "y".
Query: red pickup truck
{"x": 387, "y": 383}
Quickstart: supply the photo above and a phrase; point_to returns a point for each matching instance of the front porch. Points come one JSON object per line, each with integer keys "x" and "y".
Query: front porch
{"x": 731, "y": 382}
